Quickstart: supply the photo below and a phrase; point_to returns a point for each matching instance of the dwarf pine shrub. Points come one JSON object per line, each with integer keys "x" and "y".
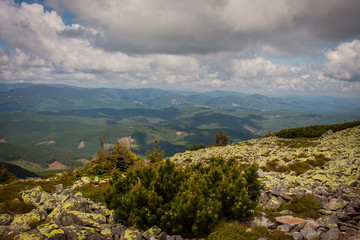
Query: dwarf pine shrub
{"x": 183, "y": 200}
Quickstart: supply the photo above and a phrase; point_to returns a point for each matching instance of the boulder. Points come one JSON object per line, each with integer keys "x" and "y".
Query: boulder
{"x": 332, "y": 234}
{"x": 51, "y": 231}
{"x": 273, "y": 203}
{"x": 32, "y": 234}
{"x": 309, "y": 232}
{"x": 298, "y": 221}
{"x": 151, "y": 232}
{"x": 132, "y": 234}
{"x": 86, "y": 180}
{"x": 83, "y": 219}
{"x": 38, "y": 197}
{"x": 5, "y": 219}
{"x": 22, "y": 222}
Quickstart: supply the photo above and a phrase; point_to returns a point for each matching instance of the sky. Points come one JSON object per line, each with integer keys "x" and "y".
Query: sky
{"x": 282, "y": 47}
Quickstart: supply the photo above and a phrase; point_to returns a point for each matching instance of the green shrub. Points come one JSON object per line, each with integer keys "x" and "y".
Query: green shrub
{"x": 94, "y": 192}
{"x": 314, "y": 131}
{"x": 194, "y": 147}
{"x": 104, "y": 163}
{"x": 305, "y": 206}
{"x": 183, "y": 200}
{"x": 5, "y": 175}
{"x": 238, "y": 231}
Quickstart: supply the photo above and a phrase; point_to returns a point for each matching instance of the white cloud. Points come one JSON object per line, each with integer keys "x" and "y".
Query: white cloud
{"x": 344, "y": 62}
{"x": 177, "y": 44}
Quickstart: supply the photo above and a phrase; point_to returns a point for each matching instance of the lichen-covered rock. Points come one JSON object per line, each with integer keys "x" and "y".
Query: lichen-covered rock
{"x": 273, "y": 203}
{"x": 38, "y": 197}
{"x": 132, "y": 234}
{"x": 30, "y": 235}
{"x": 52, "y": 231}
{"x": 151, "y": 232}
{"x": 86, "y": 180}
{"x": 82, "y": 233}
{"x": 83, "y": 218}
{"x": 22, "y": 222}
{"x": 5, "y": 219}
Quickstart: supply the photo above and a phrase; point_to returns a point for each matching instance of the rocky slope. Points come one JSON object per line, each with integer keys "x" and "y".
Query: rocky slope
{"x": 336, "y": 184}
{"x": 65, "y": 214}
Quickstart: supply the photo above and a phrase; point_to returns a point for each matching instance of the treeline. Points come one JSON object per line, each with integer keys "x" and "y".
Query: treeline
{"x": 17, "y": 171}
{"x": 314, "y": 131}
{"x": 38, "y": 154}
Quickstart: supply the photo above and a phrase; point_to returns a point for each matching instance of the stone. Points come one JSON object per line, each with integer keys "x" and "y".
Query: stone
{"x": 264, "y": 198}
{"x": 153, "y": 231}
{"x": 80, "y": 232}
{"x": 5, "y": 219}
{"x": 58, "y": 188}
{"x": 309, "y": 232}
{"x": 273, "y": 203}
{"x": 83, "y": 218}
{"x": 297, "y": 236}
{"x": 51, "y": 231}
{"x": 22, "y": 222}
{"x": 261, "y": 173}
{"x": 33, "y": 235}
{"x": 332, "y": 234}
{"x": 118, "y": 230}
{"x": 162, "y": 236}
{"x": 329, "y": 221}
{"x": 132, "y": 234}
{"x": 38, "y": 197}
{"x": 286, "y": 212}
{"x": 298, "y": 221}
{"x": 287, "y": 227}
{"x": 86, "y": 180}
{"x": 263, "y": 222}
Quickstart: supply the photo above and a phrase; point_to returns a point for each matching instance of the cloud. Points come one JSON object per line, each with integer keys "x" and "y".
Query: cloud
{"x": 195, "y": 45}
{"x": 344, "y": 62}
{"x": 204, "y": 26}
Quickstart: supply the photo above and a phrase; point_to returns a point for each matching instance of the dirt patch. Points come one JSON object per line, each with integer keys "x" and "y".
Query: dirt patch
{"x": 179, "y": 133}
{"x": 80, "y": 145}
{"x": 2, "y": 140}
{"x": 128, "y": 141}
{"x": 57, "y": 166}
{"x": 249, "y": 128}
{"x": 46, "y": 142}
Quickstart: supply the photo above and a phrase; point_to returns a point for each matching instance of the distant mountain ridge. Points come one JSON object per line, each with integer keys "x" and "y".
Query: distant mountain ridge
{"x": 35, "y": 98}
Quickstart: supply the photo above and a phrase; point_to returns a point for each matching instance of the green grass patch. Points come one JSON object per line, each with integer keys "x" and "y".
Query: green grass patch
{"x": 238, "y": 231}
{"x": 12, "y": 191}
{"x": 304, "y": 207}
{"x": 95, "y": 192}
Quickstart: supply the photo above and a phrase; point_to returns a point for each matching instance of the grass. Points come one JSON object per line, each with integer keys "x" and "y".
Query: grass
{"x": 304, "y": 207}
{"x": 12, "y": 191}
{"x": 94, "y": 192}
{"x": 299, "y": 167}
{"x": 238, "y": 231}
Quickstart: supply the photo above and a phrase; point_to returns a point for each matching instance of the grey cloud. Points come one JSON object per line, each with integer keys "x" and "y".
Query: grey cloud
{"x": 202, "y": 27}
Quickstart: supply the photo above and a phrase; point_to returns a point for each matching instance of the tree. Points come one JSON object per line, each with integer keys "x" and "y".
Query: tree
{"x": 221, "y": 139}
{"x": 155, "y": 154}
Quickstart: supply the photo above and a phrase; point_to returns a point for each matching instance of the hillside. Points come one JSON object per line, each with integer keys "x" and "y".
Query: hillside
{"x": 310, "y": 189}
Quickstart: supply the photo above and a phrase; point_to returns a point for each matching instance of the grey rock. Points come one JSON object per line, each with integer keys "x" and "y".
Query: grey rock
{"x": 309, "y": 232}
{"x": 332, "y": 234}
{"x": 297, "y": 236}
{"x": 286, "y": 212}
{"x": 261, "y": 173}
{"x": 286, "y": 227}
{"x": 58, "y": 188}
{"x": 162, "y": 236}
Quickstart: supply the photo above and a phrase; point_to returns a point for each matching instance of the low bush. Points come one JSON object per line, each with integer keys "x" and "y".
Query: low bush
{"x": 314, "y": 131}
{"x": 5, "y": 175}
{"x": 238, "y": 231}
{"x": 104, "y": 163}
{"x": 194, "y": 147}
{"x": 305, "y": 206}
{"x": 188, "y": 200}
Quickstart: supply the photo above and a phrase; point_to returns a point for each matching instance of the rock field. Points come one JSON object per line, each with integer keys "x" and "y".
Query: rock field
{"x": 66, "y": 214}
